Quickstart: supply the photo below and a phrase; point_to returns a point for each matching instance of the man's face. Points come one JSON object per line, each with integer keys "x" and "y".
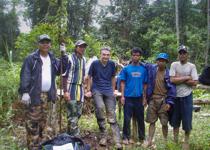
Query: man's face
{"x": 105, "y": 55}
{"x": 44, "y": 45}
{"x": 161, "y": 63}
{"x": 80, "y": 49}
{"x": 183, "y": 56}
{"x": 136, "y": 57}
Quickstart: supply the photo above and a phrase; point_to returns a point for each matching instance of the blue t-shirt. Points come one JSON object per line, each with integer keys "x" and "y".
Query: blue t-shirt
{"x": 102, "y": 76}
{"x": 135, "y": 77}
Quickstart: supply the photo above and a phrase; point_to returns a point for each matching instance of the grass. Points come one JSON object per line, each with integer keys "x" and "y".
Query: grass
{"x": 199, "y": 139}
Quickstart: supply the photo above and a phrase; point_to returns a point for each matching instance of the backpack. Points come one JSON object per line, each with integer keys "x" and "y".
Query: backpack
{"x": 204, "y": 78}
{"x": 65, "y": 142}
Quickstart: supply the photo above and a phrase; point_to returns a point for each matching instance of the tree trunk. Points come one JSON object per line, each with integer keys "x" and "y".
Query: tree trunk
{"x": 177, "y": 21}
{"x": 208, "y": 31}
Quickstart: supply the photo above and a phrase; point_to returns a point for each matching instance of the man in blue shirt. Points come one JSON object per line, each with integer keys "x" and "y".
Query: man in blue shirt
{"x": 133, "y": 88}
{"x": 102, "y": 76}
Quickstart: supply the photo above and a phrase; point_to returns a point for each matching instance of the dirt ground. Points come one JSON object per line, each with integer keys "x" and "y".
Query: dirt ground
{"x": 19, "y": 132}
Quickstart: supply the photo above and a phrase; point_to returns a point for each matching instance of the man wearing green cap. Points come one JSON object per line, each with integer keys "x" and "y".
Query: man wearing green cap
{"x": 160, "y": 96}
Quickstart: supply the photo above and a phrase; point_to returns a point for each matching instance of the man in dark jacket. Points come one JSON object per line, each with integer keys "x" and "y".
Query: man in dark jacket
{"x": 160, "y": 96}
{"x": 73, "y": 83}
{"x": 37, "y": 88}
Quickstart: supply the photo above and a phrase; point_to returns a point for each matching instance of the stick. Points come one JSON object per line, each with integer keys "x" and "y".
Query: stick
{"x": 61, "y": 72}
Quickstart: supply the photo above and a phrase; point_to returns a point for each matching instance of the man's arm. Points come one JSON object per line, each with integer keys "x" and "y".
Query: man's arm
{"x": 89, "y": 83}
{"x": 113, "y": 83}
{"x": 192, "y": 82}
{"x": 122, "y": 86}
{"x": 180, "y": 79}
{"x": 25, "y": 76}
{"x": 145, "y": 95}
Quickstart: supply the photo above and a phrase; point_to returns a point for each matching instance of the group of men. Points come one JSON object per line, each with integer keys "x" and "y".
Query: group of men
{"x": 162, "y": 89}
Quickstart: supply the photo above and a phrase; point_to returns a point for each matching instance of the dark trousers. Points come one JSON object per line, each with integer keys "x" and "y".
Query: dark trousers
{"x": 133, "y": 107}
{"x": 182, "y": 112}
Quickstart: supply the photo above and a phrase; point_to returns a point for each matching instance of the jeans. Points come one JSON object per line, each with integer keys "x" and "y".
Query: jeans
{"x": 105, "y": 106}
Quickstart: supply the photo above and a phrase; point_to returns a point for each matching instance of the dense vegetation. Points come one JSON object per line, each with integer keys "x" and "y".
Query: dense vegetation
{"x": 120, "y": 25}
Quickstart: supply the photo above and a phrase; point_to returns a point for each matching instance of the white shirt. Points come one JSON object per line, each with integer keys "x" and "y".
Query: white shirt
{"x": 46, "y": 73}
{"x": 188, "y": 69}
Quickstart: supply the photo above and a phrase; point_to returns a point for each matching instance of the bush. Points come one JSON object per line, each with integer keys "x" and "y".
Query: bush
{"x": 9, "y": 82}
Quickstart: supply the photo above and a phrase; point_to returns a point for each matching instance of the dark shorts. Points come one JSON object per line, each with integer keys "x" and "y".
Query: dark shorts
{"x": 182, "y": 112}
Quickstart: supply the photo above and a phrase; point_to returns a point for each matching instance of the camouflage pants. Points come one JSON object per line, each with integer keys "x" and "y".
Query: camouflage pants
{"x": 74, "y": 112}
{"x": 40, "y": 121}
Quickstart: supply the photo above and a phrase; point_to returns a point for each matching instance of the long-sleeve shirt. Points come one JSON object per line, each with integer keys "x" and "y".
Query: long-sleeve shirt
{"x": 170, "y": 87}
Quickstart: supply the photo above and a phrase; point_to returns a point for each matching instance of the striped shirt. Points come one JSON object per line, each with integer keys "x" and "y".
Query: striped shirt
{"x": 74, "y": 77}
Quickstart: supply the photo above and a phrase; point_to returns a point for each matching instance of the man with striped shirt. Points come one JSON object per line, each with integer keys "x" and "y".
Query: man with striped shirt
{"x": 73, "y": 86}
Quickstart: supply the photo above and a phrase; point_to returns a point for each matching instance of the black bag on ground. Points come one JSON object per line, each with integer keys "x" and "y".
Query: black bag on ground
{"x": 64, "y": 140}
{"x": 204, "y": 78}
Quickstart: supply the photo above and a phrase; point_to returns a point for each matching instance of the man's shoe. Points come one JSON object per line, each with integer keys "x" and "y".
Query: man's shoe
{"x": 103, "y": 142}
{"x": 146, "y": 144}
{"x": 131, "y": 141}
{"x": 118, "y": 146}
{"x": 125, "y": 141}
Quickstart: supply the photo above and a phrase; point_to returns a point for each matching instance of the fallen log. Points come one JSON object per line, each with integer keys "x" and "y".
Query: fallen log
{"x": 203, "y": 87}
{"x": 201, "y": 102}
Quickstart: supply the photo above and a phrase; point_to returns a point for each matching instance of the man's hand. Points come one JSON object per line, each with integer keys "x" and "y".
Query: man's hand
{"x": 116, "y": 93}
{"x": 188, "y": 77}
{"x": 26, "y": 99}
{"x": 88, "y": 94}
{"x": 67, "y": 96}
{"x": 122, "y": 100}
{"x": 167, "y": 107}
{"x": 144, "y": 102}
{"x": 62, "y": 47}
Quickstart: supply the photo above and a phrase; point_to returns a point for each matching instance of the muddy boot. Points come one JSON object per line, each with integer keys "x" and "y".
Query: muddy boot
{"x": 103, "y": 141}
{"x": 118, "y": 146}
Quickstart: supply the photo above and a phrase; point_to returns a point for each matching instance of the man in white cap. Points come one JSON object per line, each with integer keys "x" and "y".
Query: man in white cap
{"x": 37, "y": 88}
{"x": 73, "y": 86}
{"x": 184, "y": 75}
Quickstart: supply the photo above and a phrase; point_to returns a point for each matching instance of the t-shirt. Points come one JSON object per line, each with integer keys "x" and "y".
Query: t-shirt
{"x": 160, "y": 89}
{"x": 46, "y": 73}
{"x": 135, "y": 77}
{"x": 102, "y": 76}
{"x": 188, "y": 69}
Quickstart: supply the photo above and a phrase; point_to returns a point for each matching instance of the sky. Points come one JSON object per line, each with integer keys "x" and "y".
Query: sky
{"x": 25, "y": 28}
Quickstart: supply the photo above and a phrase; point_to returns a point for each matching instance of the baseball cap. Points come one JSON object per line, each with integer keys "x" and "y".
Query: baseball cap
{"x": 163, "y": 56}
{"x": 182, "y": 48}
{"x": 80, "y": 42}
{"x": 44, "y": 37}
